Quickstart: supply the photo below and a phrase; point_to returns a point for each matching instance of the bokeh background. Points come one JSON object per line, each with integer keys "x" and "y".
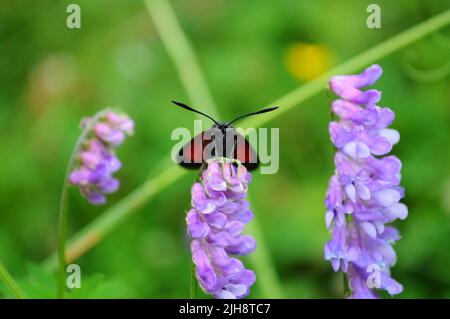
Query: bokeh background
{"x": 251, "y": 52}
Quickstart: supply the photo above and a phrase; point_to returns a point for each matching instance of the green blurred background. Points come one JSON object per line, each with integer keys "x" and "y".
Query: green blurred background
{"x": 251, "y": 52}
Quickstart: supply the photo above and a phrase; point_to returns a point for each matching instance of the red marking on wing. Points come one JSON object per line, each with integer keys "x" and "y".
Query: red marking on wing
{"x": 191, "y": 155}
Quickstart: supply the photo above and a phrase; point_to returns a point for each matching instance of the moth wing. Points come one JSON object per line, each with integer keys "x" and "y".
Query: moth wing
{"x": 191, "y": 154}
{"x": 245, "y": 153}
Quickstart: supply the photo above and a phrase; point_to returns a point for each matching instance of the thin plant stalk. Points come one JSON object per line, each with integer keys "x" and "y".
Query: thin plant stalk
{"x": 10, "y": 283}
{"x": 114, "y": 216}
{"x": 182, "y": 54}
{"x": 63, "y": 207}
{"x": 193, "y": 283}
{"x": 346, "y": 289}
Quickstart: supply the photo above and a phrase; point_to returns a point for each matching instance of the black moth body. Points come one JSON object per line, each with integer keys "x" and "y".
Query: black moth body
{"x": 221, "y": 140}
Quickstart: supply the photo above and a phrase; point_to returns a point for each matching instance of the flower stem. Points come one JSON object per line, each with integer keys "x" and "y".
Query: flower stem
{"x": 193, "y": 283}
{"x": 63, "y": 207}
{"x": 62, "y": 240}
{"x": 346, "y": 288}
{"x": 11, "y": 283}
{"x": 182, "y": 54}
{"x": 114, "y": 216}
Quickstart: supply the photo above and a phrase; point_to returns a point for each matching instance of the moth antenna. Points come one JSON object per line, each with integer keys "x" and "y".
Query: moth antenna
{"x": 269, "y": 109}
{"x": 186, "y": 107}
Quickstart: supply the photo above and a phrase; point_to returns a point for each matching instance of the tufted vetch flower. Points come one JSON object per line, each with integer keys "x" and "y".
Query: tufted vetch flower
{"x": 364, "y": 193}
{"x": 215, "y": 224}
{"x": 96, "y": 159}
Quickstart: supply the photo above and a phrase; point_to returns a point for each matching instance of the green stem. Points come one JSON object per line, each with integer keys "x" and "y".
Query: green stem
{"x": 11, "y": 283}
{"x": 347, "y": 292}
{"x": 112, "y": 217}
{"x": 62, "y": 241}
{"x": 193, "y": 283}
{"x": 182, "y": 54}
{"x": 63, "y": 209}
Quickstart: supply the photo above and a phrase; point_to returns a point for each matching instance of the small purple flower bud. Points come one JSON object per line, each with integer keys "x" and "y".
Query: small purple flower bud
{"x": 94, "y": 197}
{"x": 97, "y": 159}
{"x": 364, "y": 187}
{"x": 120, "y": 122}
{"x": 108, "y": 134}
{"x": 215, "y": 224}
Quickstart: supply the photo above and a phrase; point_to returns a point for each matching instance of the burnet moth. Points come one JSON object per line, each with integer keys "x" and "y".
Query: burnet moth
{"x": 221, "y": 140}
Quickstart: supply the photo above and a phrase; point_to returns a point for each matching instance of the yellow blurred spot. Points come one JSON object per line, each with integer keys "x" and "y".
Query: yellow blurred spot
{"x": 307, "y": 61}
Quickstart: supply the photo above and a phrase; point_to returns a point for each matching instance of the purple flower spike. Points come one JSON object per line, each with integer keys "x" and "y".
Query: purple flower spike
{"x": 215, "y": 224}
{"x": 97, "y": 160}
{"x": 364, "y": 193}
